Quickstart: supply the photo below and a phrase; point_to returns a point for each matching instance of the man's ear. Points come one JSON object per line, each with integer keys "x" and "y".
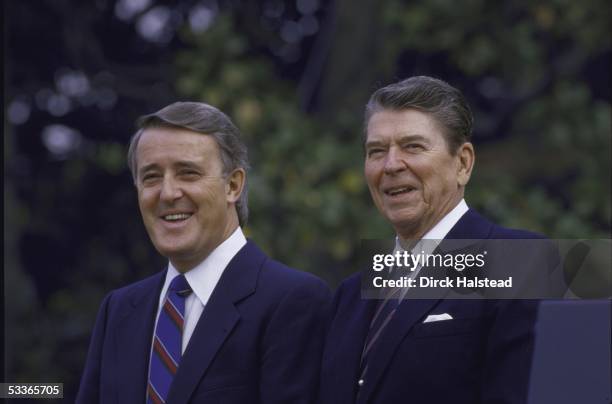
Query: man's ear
{"x": 235, "y": 184}
{"x": 465, "y": 163}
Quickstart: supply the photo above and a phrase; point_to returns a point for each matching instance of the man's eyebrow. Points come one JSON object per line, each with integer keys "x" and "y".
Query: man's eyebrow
{"x": 186, "y": 164}
{"x": 413, "y": 138}
{"x": 147, "y": 167}
{"x": 178, "y": 164}
{"x": 402, "y": 139}
{"x": 374, "y": 143}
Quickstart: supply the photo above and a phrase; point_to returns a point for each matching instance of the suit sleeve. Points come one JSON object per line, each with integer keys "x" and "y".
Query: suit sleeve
{"x": 90, "y": 380}
{"x": 293, "y": 345}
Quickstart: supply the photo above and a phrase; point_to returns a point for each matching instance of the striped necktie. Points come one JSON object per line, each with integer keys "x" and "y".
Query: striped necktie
{"x": 383, "y": 315}
{"x": 166, "y": 350}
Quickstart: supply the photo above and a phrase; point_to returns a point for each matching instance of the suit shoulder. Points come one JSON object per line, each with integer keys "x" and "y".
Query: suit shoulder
{"x": 272, "y": 274}
{"x": 524, "y": 240}
{"x": 142, "y": 286}
{"x": 349, "y": 289}
{"x": 509, "y": 233}
{"x": 495, "y": 231}
{"x": 281, "y": 275}
{"x": 351, "y": 283}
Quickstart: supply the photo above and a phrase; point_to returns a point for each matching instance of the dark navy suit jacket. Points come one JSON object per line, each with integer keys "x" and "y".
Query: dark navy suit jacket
{"x": 259, "y": 339}
{"x": 482, "y": 355}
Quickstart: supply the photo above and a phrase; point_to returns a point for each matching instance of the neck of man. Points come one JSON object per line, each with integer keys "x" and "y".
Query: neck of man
{"x": 185, "y": 264}
{"x": 410, "y": 235}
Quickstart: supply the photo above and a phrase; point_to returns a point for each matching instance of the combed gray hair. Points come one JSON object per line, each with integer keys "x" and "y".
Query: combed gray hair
{"x": 207, "y": 120}
{"x": 443, "y": 102}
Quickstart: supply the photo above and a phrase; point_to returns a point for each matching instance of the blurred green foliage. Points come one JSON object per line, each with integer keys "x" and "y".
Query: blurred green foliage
{"x": 548, "y": 171}
{"x": 306, "y": 194}
{"x": 542, "y": 138}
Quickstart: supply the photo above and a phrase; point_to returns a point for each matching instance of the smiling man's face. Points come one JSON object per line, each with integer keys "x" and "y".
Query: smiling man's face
{"x": 187, "y": 204}
{"x": 413, "y": 178}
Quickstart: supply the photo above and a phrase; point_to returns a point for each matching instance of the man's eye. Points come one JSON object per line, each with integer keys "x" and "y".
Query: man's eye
{"x": 149, "y": 178}
{"x": 189, "y": 173}
{"x": 413, "y": 146}
{"x": 375, "y": 152}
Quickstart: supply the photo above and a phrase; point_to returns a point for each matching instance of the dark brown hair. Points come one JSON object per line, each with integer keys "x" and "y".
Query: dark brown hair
{"x": 442, "y": 101}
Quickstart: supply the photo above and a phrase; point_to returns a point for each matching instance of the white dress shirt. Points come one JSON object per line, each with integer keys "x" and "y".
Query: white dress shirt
{"x": 438, "y": 232}
{"x": 433, "y": 237}
{"x": 441, "y": 229}
{"x": 202, "y": 279}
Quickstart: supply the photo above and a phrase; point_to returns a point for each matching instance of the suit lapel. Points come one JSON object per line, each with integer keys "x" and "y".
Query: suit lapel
{"x": 217, "y": 321}
{"x": 410, "y": 311}
{"x": 352, "y": 339}
{"x": 133, "y": 340}
{"x": 408, "y": 314}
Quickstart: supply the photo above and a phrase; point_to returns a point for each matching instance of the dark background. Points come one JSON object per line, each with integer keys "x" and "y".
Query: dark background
{"x": 294, "y": 76}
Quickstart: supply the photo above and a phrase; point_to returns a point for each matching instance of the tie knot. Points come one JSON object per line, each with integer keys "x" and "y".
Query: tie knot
{"x": 180, "y": 285}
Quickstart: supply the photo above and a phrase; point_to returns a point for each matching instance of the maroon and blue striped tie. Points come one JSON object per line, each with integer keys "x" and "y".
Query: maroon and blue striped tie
{"x": 166, "y": 349}
{"x": 384, "y": 313}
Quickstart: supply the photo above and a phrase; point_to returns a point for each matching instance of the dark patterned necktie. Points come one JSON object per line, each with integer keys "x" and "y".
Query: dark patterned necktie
{"x": 384, "y": 313}
{"x": 166, "y": 349}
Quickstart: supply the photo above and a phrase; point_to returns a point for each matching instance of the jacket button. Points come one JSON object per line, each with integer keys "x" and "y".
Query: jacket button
{"x": 360, "y": 382}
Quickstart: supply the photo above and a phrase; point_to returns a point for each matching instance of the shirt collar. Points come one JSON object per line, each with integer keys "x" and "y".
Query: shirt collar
{"x": 441, "y": 229}
{"x": 204, "y": 277}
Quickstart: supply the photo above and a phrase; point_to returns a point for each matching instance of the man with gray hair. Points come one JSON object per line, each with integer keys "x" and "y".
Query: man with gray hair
{"x": 223, "y": 322}
{"x": 418, "y": 161}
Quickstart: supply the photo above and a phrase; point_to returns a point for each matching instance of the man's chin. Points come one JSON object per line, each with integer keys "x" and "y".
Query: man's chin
{"x": 405, "y": 218}
{"x": 405, "y": 227}
{"x": 171, "y": 252}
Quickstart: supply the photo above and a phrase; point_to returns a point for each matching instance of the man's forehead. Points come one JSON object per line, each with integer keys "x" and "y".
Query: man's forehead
{"x": 409, "y": 124}
{"x": 166, "y": 139}
{"x": 174, "y": 134}
{"x": 175, "y": 146}
{"x": 389, "y": 117}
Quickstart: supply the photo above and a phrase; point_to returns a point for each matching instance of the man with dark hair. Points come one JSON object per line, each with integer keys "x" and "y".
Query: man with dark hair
{"x": 223, "y": 322}
{"x": 418, "y": 160}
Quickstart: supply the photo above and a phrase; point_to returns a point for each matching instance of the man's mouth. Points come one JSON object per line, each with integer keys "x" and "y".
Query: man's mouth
{"x": 399, "y": 190}
{"x": 176, "y": 217}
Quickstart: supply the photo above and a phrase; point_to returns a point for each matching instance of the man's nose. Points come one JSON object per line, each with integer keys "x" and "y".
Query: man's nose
{"x": 170, "y": 189}
{"x": 394, "y": 161}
